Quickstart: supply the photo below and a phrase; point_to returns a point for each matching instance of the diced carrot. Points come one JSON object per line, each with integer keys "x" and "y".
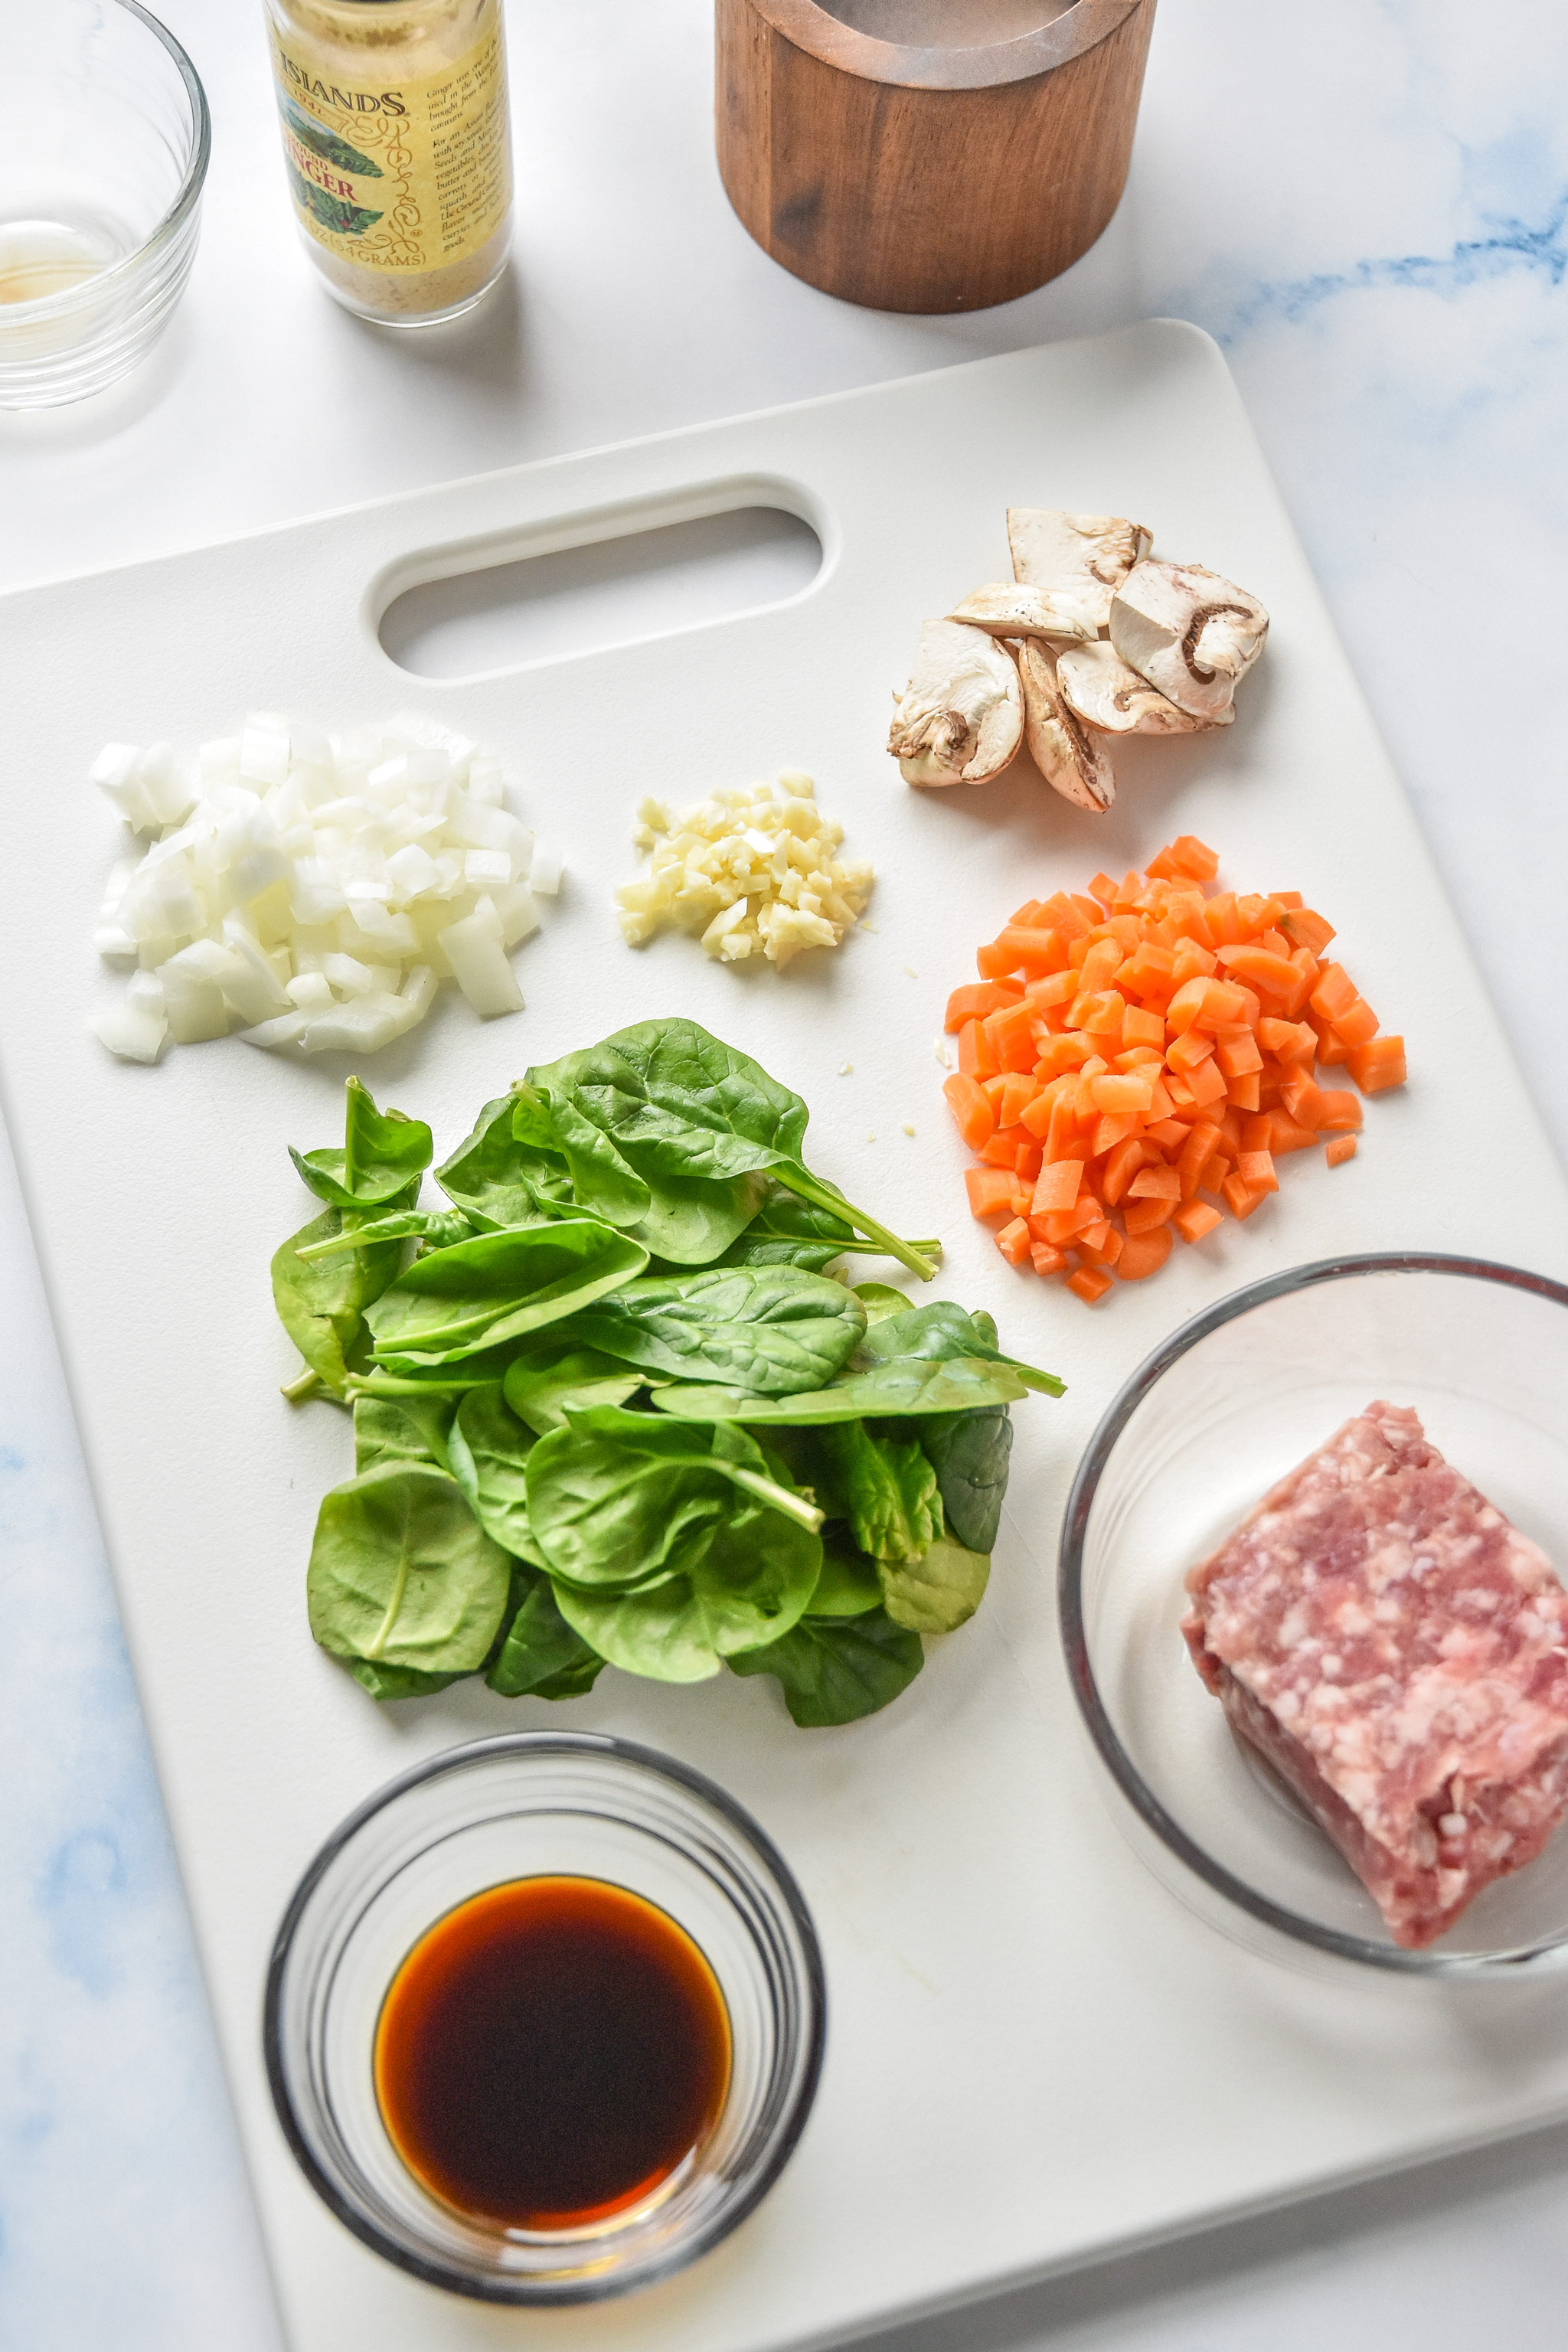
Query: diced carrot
{"x": 1205, "y": 1083}
{"x": 970, "y": 1107}
{"x": 1340, "y": 1149}
{"x": 1341, "y": 1110}
{"x": 975, "y": 1058}
{"x": 1195, "y": 1156}
{"x": 1036, "y": 1116}
{"x": 1286, "y": 1135}
{"x": 1098, "y": 1011}
{"x": 1001, "y": 1150}
{"x": 1149, "y": 971}
{"x": 1255, "y": 1135}
{"x": 1062, "y": 1136}
{"x": 1303, "y": 1100}
{"x": 1186, "y": 1004}
{"x": 1084, "y": 1105}
{"x": 1170, "y": 1134}
{"x": 990, "y": 1190}
{"x": 1064, "y": 1225}
{"x": 1012, "y": 1035}
{"x": 1212, "y": 1175}
{"x": 1139, "y": 1058}
{"x": 994, "y": 1089}
{"x": 1191, "y": 855}
{"x": 1141, "y": 1027}
{"x": 993, "y": 961}
{"x": 1046, "y": 1260}
{"x": 1028, "y": 1159}
{"x": 1024, "y": 916}
{"x": 1378, "y": 1065}
{"x": 1122, "y": 1165}
{"x": 1019, "y": 1089}
{"x": 1111, "y": 1128}
{"x": 1239, "y": 1199}
{"x": 1063, "y": 916}
{"x": 1196, "y": 1218}
{"x": 1274, "y": 976}
{"x": 1102, "y": 887}
{"x": 1067, "y": 1051}
{"x": 1331, "y": 1048}
{"x": 1057, "y": 1186}
{"x": 1014, "y": 1242}
{"x": 1155, "y": 1184}
{"x": 1357, "y": 1024}
{"x": 1102, "y": 1244}
{"x": 1303, "y": 928}
{"x": 1288, "y": 1041}
{"x": 1334, "y": 992}
{"x": 1238, "y": 1057}
{"x": 1142, "y": 1216}
{"x": 1244, "y": 1094}
{"x": 1192, "y": 960}
{"x": 973, "y": 1003}
{"x": 1055, "y": 988}
{"x": 1255, "y": 1170}
{"x": 1033, "y": 951}
{"x": 1186, "y": 1052}
{"x": 1113, "y": 1093}
{"x": 1219, "y": 915}
{"x": 1144, "y": 1254}
{"x": 1089, "y": 1284}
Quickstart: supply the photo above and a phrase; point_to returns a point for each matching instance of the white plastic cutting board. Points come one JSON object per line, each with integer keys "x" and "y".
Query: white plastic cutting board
{"x": 1035, "y": 2055}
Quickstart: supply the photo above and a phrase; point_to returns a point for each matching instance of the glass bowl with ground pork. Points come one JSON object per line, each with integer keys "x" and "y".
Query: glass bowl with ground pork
{"x": 1312, "y": 1595}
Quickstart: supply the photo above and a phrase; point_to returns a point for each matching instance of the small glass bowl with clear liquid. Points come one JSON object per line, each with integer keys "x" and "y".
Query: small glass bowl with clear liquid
{"x": 101, "y": 166}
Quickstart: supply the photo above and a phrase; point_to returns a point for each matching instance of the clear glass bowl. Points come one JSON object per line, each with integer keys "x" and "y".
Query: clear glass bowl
{"x": 525, "y": 1805}
{"x": 1225, "y": 1407}
{"x": 101, "y": 180}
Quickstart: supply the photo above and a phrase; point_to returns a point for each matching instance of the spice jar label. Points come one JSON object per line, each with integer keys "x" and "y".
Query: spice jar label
{"x": 409, "y": 178}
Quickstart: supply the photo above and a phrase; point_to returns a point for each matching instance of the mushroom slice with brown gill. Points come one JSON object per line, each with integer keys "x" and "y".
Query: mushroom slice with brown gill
{"x": 1071, "y": 763}
{"x": 1079, "y": 561}
{"x": 1097, "y": 683}
{"x": 1190, "y": 633}
{"x": 1007, "y": 608}
{"x": 961, "y": 717}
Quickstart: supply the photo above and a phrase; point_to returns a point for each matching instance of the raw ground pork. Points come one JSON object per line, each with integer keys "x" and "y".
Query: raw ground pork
{"x": 1399, "y": 1654}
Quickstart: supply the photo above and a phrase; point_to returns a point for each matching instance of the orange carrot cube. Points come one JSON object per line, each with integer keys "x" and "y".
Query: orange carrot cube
{"x": 1340, "y": 1149}
{"x": 1378, "y": 1065}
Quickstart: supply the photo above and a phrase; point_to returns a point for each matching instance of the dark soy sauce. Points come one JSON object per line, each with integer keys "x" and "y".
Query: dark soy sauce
{"x": 550, "y": 2052}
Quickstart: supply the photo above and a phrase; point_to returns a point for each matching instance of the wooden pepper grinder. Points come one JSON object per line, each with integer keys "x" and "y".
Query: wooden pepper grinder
{"x": 931, "y": 177}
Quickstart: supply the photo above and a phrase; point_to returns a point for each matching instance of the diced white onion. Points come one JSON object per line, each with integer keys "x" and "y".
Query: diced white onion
{"x": 311, "y": 887}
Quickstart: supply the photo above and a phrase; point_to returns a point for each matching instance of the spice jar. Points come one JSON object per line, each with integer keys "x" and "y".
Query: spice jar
{"x": 398, "y": 146}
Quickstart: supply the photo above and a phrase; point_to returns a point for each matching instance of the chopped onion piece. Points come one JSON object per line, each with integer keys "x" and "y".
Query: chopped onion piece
{"x": 131, "y": 1033}
{"x": 479, "y": 959}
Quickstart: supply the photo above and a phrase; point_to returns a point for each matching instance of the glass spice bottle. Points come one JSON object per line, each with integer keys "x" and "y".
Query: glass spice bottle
{"x": 397, "y": 144}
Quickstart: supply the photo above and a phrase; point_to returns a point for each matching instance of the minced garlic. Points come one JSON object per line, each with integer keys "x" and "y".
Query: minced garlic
{"x": 749, "y": 869}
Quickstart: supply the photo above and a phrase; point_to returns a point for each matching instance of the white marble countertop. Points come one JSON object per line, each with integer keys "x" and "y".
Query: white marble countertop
{"x": 1367, "y": 201}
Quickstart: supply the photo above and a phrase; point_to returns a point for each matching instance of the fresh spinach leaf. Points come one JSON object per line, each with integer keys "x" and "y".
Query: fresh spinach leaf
{"x": 848, "y": 1585}
{"x": 885, "y": 1491}
{"x": 540, "y": 1390}
{"x": 488, "y": 1449}
{"x": 542, "y": 1656}
{"x": 618, "y": 1499}
{"x": 660, "y": 1105}
{"x": 432, "y": 1228}
{"x": 745, "y": 1585}
{"x": 383, "y": 1158}
{"x": 937, "y": 1592}
{"x": 880, "y": 1299}
{"x": 969, "y": 1451}
{"x": 402, "y": 1574}
{"x": 322, "y": 1305}
{"x": 397, "y": 1681}
{"x": 906, "y": 1387}
{"x": 770, "y": 1328}
{"x": 499, "y": 1286}
{"x": 837, "y": 1669}
{"x": 942, "y": 1333}
{"x": 401, "y": 1429}
{"x": 497, "y": 1181}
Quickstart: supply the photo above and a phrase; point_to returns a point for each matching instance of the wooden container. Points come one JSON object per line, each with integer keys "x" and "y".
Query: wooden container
{"x": 926, "y": 178}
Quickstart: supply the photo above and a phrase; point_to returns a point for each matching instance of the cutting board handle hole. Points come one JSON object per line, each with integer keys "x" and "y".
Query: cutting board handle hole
{"x": 580, "y": 585}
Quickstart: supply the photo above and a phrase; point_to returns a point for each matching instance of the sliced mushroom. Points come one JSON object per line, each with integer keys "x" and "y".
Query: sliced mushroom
{"x": 1004, "y": 608}
{"x": 1079, "y": 561}
{"x": 961, "y": 717}
{"x": 1189, "y": 632}
{"x": 1071, "y": 763}
{"x": 1100, "y": 687}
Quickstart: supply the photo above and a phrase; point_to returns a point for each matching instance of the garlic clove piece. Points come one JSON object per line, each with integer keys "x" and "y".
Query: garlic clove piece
{"x": 1071, "y": 763}
{"x": 1188, "y": 631}
{"x": 1098, "y": 684}
{"x": 1005, "y": 608}
{"x": 1079, "y": 559}
{"x": 961, "y": 717}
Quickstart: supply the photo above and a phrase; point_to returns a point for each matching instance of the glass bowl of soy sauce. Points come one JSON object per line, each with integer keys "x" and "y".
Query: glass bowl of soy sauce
{"x": 544, "y": 2018}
